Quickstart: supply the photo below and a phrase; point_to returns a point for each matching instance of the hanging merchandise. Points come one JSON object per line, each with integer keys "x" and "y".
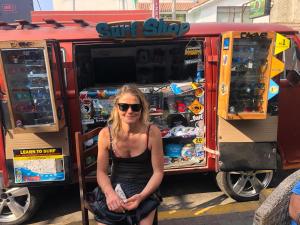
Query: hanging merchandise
{"x": 196, "y": 107}
{"x": 181, "y": 88}
{"x": 107, "y": 92}
{"x": 102, "y": 109}
{"x": 199, "y": 92}
{"x": 155, "y": 101}
{"x": 86, "y": 111}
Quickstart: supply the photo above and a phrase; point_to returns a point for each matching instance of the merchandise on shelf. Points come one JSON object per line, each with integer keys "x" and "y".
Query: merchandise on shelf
{"x": 180, "y": 117}
{"x": 27, "y": 79}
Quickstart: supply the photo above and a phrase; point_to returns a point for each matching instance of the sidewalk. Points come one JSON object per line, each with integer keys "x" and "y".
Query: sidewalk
{"x": 192, "y": 209}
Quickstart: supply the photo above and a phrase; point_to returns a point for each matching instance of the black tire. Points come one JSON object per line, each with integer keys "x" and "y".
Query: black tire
{"x": 226, "y": 182}
{"x": 35, "y": 197}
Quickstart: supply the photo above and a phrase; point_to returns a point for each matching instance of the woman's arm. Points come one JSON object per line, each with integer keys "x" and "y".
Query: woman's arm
{"x": 112, "y": 199}
{"x": 157, "y": 161}
{"x": 294, "y": 207}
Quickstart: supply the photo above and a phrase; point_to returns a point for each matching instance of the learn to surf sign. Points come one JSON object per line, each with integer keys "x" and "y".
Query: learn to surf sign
{"x": 151, "y": 28}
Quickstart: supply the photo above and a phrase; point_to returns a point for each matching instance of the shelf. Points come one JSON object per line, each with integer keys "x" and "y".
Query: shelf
{"x": 34, "y": 65}
{"x": 42, "y": 75}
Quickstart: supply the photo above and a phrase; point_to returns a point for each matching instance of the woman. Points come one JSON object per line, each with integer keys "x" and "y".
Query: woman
{"x": 137, "y": 158}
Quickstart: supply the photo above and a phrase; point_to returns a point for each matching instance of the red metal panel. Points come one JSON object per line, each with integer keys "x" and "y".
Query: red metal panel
{"x": 211, "y": 77}
{"x": 3, "y": 169}
{"x": 288, "y": 124}
{"x": 73, "y": 112}
{"x": 72, "y": 31}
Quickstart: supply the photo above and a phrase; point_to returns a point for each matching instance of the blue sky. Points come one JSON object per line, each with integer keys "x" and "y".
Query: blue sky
{"x": 45, "y": 5}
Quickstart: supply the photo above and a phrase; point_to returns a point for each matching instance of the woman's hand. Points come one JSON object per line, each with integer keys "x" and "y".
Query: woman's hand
{"x": 133, "y": 202}
{"x": 114, "y": 203}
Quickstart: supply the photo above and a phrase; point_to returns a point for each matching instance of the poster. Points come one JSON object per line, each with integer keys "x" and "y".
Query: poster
{"x": 38, "y": 165}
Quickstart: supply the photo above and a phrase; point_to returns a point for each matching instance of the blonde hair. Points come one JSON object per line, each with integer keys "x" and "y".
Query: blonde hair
{"x": 114, "y": 120}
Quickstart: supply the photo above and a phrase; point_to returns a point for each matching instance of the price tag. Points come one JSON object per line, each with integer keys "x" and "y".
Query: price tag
{"x": 198, "y": 140}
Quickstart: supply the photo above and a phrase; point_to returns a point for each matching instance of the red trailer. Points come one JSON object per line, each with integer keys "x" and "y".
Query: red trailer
{"x": 213, "y": 90}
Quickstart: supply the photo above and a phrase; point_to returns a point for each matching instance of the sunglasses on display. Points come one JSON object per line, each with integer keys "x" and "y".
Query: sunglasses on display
{"x": 134, "y": 107}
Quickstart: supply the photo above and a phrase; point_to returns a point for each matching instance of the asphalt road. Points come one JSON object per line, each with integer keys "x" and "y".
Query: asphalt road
{"x": 188, "y": 199}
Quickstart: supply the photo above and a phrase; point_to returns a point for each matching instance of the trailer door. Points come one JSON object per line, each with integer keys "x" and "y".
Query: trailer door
{"x": 289, "y": 107}
{"x": 31, "y": 84}
{"x": 33, "y": 112}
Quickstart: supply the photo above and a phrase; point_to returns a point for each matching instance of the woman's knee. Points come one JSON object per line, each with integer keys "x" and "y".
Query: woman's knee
{"x": 148, "y": 220}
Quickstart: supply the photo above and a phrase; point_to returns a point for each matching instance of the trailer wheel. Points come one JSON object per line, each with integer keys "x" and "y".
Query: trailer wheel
{"x": 17, "y": 205}
{"x": 244, "y": 185}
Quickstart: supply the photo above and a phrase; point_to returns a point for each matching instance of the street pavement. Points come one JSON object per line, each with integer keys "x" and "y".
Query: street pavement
{"x": 192, "y": 199}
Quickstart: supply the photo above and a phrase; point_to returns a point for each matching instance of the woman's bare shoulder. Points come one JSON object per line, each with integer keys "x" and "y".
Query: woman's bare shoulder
{"x": 103, "y": 134}
{"x": 104, "y": 131}
{"x": 154, "y": 131}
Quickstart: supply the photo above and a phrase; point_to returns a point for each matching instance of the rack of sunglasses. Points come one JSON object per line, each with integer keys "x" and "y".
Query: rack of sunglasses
{"x": 28, "y": 85}
{"x": 176, "y": 108}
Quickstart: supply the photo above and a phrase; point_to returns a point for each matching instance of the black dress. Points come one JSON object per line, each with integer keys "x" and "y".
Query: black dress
{"x": 133, "y": 174}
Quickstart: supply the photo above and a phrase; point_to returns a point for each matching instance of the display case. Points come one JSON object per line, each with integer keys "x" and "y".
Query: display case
{"x": 245, "y": 67}
{"x": 28, "y": 81}
{"x": 176, "y": 108}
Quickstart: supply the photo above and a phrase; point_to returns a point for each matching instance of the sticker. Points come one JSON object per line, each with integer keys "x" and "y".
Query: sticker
{"x": 196, "y": 107}
{"x": 19, "y": 123}
{"x": 226, "y": 43}
{"x": 199, "y": 92}
{"x": 225, "y": 59}
{"x": 281, "y": 44}
{"x": 198, "y": 140}
{"x": 192, "y": 51}
{"x": 38, "y": 165}
{"x": 273, "y": 89}
{"x": 223, "y": 89}
{"x": 277, "y": 67}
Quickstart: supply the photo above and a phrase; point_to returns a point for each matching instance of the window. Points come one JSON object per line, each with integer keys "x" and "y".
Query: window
{"x": 180, "y": 17}
{"x": 233, "y": 14}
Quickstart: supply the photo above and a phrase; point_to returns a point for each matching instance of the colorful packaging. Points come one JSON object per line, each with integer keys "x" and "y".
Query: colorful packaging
{"x": 86, "y": 107}
{"x": 188, "y": 151}
{"x": 173, "y": 150}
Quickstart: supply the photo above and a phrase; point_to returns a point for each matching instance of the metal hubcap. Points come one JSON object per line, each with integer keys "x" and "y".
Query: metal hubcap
{"x": 249, "y": 183}
{"x": 14, "y": 203}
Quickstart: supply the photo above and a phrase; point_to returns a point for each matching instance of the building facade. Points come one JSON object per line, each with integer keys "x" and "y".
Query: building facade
{"x": 66, "y": 5}
{"x": 223, "y": 11}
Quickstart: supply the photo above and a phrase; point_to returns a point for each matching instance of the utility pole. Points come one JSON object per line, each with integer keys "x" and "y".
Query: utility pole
{"x": 173, "y": 9}
{"x": 74, "y": 5}
{"x": 155, "y": 9}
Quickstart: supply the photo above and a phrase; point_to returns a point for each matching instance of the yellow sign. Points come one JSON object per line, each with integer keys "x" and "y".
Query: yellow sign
{"x": 277, "y": 67}
{"x": 282, "y": 43}
{"x": 198, "y": 140}
{"x": 196, "y": 107}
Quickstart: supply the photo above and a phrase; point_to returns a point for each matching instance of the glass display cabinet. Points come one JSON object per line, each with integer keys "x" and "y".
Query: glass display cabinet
{"x": 31, "y": 100}
{"x": 245, "y": 67}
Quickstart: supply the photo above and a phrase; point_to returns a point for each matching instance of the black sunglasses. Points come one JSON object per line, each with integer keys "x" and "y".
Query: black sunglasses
{"x": 134, "y": 107}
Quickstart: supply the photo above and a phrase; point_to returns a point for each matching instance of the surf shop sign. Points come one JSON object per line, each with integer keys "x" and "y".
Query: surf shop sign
{"x": 151, "y": 28}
